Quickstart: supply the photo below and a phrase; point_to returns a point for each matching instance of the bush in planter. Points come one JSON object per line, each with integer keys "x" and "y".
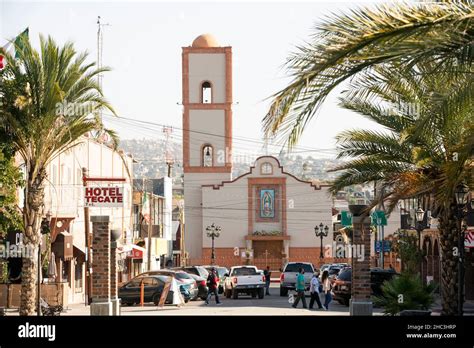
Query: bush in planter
{"x": 405, "y": 292}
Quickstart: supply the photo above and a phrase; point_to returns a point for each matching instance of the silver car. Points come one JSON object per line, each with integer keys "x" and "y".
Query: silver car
{"x": 288, "y": 276}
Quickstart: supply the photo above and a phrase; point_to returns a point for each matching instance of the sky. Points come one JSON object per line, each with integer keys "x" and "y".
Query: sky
{"x": 142, "y": 44}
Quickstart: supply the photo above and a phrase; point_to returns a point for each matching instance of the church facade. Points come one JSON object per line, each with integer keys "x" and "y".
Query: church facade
{"x": 267, "y": 216}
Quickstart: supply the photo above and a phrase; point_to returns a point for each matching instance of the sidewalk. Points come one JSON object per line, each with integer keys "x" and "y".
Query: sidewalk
{"x": 468, "y": 307}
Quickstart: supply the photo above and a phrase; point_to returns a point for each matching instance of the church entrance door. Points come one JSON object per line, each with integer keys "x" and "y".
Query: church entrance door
{"x": 268, "y": 253}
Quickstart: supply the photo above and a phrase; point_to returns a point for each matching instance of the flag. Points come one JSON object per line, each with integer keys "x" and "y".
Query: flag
{"x": 9, "y": 47}
{"x": 146, "y": 207}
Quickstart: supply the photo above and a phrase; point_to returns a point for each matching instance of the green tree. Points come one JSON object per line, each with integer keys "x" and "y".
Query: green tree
{"x": 405, "y": 292}
{"x": 347, "y": 45}
{"x": 426, "y": 148}
{"x": 49, "y": 99}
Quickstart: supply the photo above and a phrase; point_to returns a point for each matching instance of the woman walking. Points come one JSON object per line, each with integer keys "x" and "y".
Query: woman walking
{"x": 314, "y": 291}
{"x": 326, "y": 289}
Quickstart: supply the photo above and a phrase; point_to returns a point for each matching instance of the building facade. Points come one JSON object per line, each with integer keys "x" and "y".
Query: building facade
{"x": 266, "y": 215}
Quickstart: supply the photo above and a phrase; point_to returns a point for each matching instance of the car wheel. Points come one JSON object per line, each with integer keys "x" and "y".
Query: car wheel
{"x": 203, "y": 298}
{"x": 283, "y": 291}
{"x": 235, "y": 294}
{"x": 254, "y": 294}
{"x": 156, "y": 299}
{"x": 186, "y": 300}
{"x": 261, "y": 293}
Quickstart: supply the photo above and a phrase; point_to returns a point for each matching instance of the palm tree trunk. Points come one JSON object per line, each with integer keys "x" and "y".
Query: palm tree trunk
{"x": 449, "y": 235}
{"x": 32, "y": 215}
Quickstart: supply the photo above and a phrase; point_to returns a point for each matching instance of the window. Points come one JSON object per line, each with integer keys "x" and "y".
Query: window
{"x": 206, "y": 92}
{"x": 266, "y": 168}
{"x": 207, "y": 156}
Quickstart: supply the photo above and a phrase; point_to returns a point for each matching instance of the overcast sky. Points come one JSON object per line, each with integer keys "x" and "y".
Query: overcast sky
{"x": 143, "y": 47}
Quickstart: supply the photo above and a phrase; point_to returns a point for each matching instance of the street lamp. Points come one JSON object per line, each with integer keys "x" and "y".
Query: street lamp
{"x": 321, "y": 231}
{"x": 461, "y": 194}
{"x": 213, "y": 231}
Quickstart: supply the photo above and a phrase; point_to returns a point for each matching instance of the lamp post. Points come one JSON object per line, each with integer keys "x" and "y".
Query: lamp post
{"x": 321, "y": 231}
{"x": 419, "y": 216}
{"x": 461, "y": 194}
{"x": 213, "y": 232}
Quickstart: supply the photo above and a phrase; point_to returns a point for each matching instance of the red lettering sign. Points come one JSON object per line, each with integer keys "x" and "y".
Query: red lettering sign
{"x": 104, "y": 197}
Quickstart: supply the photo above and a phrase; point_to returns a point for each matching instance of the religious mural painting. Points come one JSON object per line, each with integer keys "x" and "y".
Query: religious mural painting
{"x": 267, "y": 203}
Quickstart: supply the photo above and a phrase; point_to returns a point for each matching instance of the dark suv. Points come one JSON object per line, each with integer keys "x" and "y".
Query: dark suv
{"x": 342, "y": 285}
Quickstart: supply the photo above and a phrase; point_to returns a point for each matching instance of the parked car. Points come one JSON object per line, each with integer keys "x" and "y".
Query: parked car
{"x": 130, "y": 292}
{"x": 202, "y": 286}
{"x": 221, "y": 273}
{"x": 244, "y": 279}
{"x": 288, "y": 276}
{"x": 181, "y": 276}
{"x": 197, "y": 270}
{"x": 342, "y": 285}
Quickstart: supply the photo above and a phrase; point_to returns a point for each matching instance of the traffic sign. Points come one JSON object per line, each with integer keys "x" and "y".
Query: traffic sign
{"x": 379, "y": 218}
{"x": 346, "y": 218}
{"x": 387, "y": 246}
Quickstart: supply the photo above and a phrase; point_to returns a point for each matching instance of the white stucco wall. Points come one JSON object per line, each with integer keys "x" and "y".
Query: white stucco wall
{"x": 208, "y": 128}
{"x": 192, "y": 208}
{"x": 228, "y": 207}
{"x": 207, "y": 67}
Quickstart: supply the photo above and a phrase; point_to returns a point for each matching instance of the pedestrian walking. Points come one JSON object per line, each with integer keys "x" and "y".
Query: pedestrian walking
{"x": 314, "y": 291}
{"x": 212, "y": 284}
{"x": 326, "y": 289}
{"x": 300, "y": 287}
{"x": 267, "y": 275}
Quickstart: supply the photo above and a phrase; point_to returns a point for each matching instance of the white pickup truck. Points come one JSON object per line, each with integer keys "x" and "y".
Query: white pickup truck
{"x": 244, "y": 280}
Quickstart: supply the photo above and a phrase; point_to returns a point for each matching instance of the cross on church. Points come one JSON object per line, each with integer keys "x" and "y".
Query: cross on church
{"x": 266, "y": 253}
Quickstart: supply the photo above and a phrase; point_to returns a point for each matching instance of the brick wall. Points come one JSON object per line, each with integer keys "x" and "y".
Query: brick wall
{"x": 101, "y": 258}
{"x": 361, "y": 268}
{"x": 225, "y": 257}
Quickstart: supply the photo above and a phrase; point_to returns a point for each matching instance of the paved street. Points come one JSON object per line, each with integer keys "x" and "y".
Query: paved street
{"x": 244, "y": 305}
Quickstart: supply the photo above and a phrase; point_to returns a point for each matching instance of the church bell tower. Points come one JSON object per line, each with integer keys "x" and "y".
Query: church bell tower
{"x": 207, "y": 128}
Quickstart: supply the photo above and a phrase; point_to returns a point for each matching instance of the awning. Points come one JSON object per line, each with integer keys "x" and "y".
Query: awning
{"x": 132, "y": 251}
{"x": 62, "y": 246}
{"x": 79, "y": 254}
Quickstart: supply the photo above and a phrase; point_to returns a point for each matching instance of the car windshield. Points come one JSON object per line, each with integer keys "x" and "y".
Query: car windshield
{"x": 244, "y": 271}
{"x": 295, "y": 267}
{"x": 345, "y": 275}
{"x": 221, "y": 271}
{"x": 203, "y": 272}
{"x": 182, "y": 275}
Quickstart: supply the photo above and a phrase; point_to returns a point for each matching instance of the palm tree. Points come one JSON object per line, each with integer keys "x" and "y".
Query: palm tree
{"x": 35, "y": 88}
{"x": 425, "y": 149}
{"x": 347, "y": 45}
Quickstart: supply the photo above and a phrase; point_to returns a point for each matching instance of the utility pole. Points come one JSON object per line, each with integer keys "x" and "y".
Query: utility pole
{"x": 88, "y": 244}
{"x": 181, "y": 239}
{"x": 149, "y": 231}
{"x": 168, "y": 156}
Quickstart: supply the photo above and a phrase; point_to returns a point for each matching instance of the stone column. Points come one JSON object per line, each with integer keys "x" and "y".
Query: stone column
{"x": 101, "y": 304}
{"x": 361, "y": 303}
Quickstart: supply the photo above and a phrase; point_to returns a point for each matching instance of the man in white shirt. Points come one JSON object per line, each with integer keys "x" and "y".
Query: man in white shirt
{"x": 314, "y": 291}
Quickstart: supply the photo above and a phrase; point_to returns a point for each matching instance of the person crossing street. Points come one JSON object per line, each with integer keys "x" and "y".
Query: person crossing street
{"x": 213, "y": 284}
{"x": 300, "y": 287}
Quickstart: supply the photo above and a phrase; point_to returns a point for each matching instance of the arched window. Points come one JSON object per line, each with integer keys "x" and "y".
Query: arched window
{"x": 207, "y": 156}
{"x": 206, "y": 92}
{"x": 266, "y": 168}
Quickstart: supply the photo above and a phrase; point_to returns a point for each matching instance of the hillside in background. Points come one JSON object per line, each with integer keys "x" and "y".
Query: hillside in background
{"x": 150, "y": 156}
